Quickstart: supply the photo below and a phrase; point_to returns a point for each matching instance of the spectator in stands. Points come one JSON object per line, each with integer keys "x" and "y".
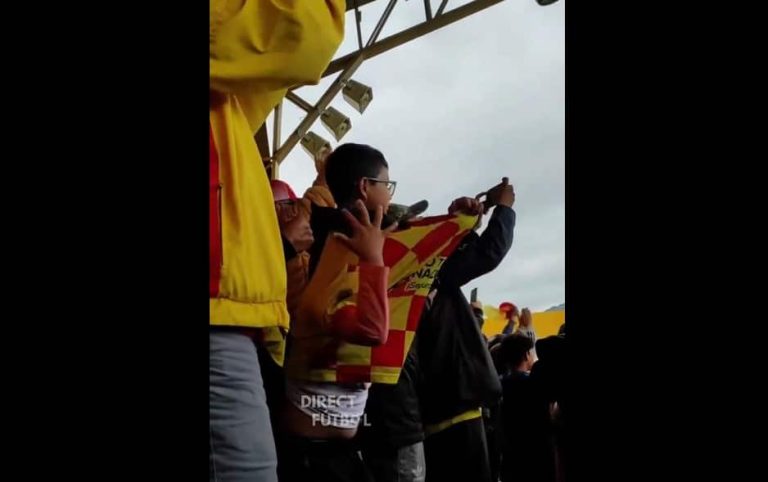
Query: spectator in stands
{"x": 251, "y": 68}
{"x": 321, "y": 418}
{"x": 458, "y": 373}
{"x": 296, "y": 234}
{"x": 512, "y": 314}
{"x": 548, "y": 376}
{"x": 526, "y": 327}
{"x": 520, "y": 414}
{"x": 393, "y": 446}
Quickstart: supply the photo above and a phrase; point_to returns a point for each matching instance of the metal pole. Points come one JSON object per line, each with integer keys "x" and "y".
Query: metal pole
{"x": 278, "y": 119}
{"x": 428, "y": 9}
{"x": 358, "y": 19}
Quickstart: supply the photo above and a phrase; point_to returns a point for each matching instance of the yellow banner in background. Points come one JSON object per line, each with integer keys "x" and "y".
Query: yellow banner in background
{"x": 545, "y": 323}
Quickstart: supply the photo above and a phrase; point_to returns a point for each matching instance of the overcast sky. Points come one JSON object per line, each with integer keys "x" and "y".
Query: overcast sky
{"x": 456, "y": 110}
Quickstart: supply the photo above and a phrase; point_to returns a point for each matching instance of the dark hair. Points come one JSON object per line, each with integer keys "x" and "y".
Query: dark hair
{"x": 349, "y": 163}
{"x": 494, "y": 347}
{"x": 515, "y": 348}
{"x": 550, "y": 348}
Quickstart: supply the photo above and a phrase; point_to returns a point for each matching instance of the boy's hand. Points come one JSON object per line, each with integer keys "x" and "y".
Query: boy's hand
{"x": 367, "y": 239}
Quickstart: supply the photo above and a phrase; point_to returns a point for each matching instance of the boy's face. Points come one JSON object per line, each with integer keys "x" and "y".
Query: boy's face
{"x": 376, "y": 192}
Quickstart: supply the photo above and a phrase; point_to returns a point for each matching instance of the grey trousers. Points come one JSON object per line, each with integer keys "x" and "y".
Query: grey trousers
{"x": 242, "y": 448}
{"x": 406, "y": 464}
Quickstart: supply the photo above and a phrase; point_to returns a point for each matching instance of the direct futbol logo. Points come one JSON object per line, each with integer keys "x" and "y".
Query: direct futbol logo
{"x": 333, "y": 403}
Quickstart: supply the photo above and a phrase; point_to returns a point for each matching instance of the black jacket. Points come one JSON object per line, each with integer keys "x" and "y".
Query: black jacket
{"x": 392, "y": 416}
{"x": 457, "y": 370}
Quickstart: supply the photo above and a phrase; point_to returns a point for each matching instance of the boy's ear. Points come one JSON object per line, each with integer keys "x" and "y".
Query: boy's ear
{"x": 362, "y": 189}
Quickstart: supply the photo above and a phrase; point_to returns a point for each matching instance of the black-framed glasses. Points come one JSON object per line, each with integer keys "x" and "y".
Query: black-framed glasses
{"x": 287, "y": 208}
{"x": 390, "y": 185}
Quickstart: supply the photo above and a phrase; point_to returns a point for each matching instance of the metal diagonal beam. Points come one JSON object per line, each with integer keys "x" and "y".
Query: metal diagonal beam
{"x": 348, "y": 64}
{"x": 441, "y": 8}
{"x": 428, "y": 9}
{"x": 358, "y": 19}
{"x": 380, "y": 25}
{"x": 412, "y": 33}
{"x": 301, "y": 103}
{"x": 321, "y": 105}
{"x": 313, "y": 112}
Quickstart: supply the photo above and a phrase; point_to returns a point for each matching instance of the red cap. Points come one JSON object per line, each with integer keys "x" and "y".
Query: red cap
{"x": 281, "y": 191}
{"x": 507, "y": 307}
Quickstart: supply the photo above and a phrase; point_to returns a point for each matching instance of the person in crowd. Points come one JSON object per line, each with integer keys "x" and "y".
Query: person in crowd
{"x": 512, "y": 315}
{"x": 344, "y": 336}
{"x": 520, "y": 412}
{"x": 320, "y": 418}
{"x": 526, "y": 327}
{"x": 252, "y": 64}
{"x": 393, "y": 448}
{"x": 458, "y": 376}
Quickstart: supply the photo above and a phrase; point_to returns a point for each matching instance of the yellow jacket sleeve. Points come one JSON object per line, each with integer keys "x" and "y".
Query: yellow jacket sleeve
{"x": 260, "y": 48}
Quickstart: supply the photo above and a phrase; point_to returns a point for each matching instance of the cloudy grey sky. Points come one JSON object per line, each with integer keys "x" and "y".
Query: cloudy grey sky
{"x": 456, "y": 110}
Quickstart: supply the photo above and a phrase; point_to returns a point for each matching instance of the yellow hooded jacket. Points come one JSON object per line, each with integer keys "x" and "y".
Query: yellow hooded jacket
{"x": 258, "y": 49}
